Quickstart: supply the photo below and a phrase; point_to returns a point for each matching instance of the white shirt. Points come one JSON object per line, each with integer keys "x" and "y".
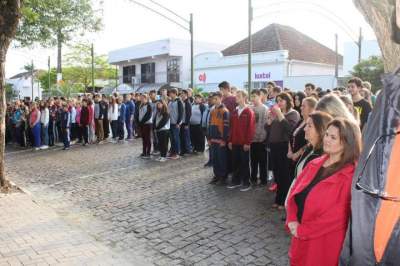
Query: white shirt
{"x": 44, "y": 117}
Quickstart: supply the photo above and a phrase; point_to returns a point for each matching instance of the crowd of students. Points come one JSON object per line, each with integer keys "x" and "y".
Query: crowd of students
{"x": 309, "y": 141}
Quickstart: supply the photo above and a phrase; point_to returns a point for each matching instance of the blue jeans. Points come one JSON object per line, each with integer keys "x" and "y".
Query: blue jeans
{"x": 45, "y": 134}
{"x": 36, "y": 130}
{"x": 128, "y": 125}
{"x": 66, "y": 137}
{"x": 185, "y": 140}
{"x": 218, "y": 155}
{"x": 175, "y": 140}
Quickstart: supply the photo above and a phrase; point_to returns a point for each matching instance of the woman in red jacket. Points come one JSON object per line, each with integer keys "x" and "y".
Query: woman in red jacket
{"x": 319, "y": 204}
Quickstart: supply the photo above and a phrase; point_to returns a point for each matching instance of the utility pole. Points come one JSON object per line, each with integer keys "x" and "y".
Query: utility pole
{"x": 336, "y": 57}
{"x": 92, "y": 52}
{"x": 191, "y": 52}
{"x": 48, "y": 74}
{"x": 360, "y": 39}
{"x": 250, "y": 49}
{"x": 32, "y": 66}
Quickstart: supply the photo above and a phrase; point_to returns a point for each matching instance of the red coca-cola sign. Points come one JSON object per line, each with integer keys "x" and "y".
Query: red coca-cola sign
{"x": 202, "y": 77}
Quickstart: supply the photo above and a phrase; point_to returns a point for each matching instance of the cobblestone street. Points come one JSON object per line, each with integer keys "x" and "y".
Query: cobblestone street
{"x": 165, "y": 212}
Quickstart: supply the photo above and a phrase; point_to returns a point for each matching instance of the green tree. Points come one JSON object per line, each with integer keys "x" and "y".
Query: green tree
{"x": 79, "y": 66}
{"x": 10, "y": 14}
{"x": 53, "y": 23}
{"x": 370, "y": 70}
{"x": 44, "y": 79}
{"x": 10, "y": 93}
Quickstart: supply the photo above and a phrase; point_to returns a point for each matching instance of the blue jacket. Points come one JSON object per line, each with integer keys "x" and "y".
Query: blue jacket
{"x": 129, "y": 109}
{"x": 121, "y": 113}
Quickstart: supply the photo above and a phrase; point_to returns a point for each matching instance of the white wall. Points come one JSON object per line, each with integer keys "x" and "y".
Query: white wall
{"x": 297, "y": 83}
{"x": 23, "y": 87}
{"x": 301, "y": 68}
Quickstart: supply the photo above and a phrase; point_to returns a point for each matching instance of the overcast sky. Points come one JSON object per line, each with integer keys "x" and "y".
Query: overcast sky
{"x": 216, "y": 21}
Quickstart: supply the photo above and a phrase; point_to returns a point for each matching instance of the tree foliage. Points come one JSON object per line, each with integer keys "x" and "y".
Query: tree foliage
{"x": 370, "y": 70}
{"x": 77, "y": 73}
{"x": 48, "y": 21}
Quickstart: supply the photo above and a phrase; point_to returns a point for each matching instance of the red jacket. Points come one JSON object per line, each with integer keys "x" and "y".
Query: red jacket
{"x": 325, "y": 217}
{"x": 242, "y": 127}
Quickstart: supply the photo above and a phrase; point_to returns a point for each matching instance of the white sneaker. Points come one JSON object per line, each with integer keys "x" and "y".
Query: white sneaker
{"x": 44, "y": 147}
{"x": 36, "y": 149}
{"x": 162, "y": 159}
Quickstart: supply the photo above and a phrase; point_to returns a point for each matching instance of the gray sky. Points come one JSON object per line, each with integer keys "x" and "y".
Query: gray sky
{"x": 216, "y": 21}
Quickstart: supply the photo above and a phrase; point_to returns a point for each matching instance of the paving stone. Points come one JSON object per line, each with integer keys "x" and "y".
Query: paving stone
{"x": 136, "y": 207}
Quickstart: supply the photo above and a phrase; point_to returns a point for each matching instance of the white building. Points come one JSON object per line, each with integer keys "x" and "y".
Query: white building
{"x": 280, "y": 53}
{"x": 22, "y": 85}
{"x": 154, "y": 64}
{"x": 368, "y": 48}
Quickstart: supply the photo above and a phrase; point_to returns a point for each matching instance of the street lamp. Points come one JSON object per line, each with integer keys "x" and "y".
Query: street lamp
{"x": 188, "y": 27}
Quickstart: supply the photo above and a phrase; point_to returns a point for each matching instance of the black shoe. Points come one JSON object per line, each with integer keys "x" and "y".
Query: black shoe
{"x": 214, "y": 180}
{"x": 222, "y": 182}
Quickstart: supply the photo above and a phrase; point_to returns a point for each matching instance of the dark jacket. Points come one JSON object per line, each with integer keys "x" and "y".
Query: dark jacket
{"x": 121, "y": 113}
{"x": 103, "y": 110}
{"x": 84, "y": 116}
{"x": 188, "y": 112}
{"x": 65, "y": 119}
{"x": 162, "y": 122}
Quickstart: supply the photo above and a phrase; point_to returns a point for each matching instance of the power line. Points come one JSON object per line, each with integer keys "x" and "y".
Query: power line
{"x": 161, "y": 14}
{"x": 169, "y": 10}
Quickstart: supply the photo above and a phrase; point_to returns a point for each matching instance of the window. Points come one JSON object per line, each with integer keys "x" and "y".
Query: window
{"x": 173, "y": 70}
{"x": 128, "y": 72}
{"x": 148, "y": 73}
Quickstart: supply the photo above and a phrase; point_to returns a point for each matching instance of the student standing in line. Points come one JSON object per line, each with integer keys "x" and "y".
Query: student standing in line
{"x": 34, "y": 123}
{"x": 152, "y": 102}
{"x": 104, "y": 110}
{"x": 145, "y": 122}
{"x": 98, "y": 119}
{"x": 84, "y": 122}
{"x": 91, "y": 121}
{"x": 65, "y": 126}
{"x": 113, "y": 118}
{"x": 257, "y": 151}
{"x": 44, "y": 120}
{"x": 175, "y": 109}
{"x": 78, "y": 121}
{"x": 186, "y": 146}
{"x": 196, "y": 131}
{"x": 242, "y": 129}
{"x": 121, "y": 119}
{"x": 205, "y": 126}
{"x": 73, "y": 129}
{"x": 218, "y": 132}
{"x": 129, "y": 113}
{"x": 162, "y": 127}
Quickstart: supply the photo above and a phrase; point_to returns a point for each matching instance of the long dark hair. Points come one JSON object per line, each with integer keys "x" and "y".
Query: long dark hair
{"x": 350, "y": 137}
{"x": 288, "y": 98}
{"x": 321, "y": 121}
{"x": 164, "y": 108}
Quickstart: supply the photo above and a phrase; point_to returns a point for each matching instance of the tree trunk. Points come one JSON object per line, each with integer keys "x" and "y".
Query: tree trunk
{"x": 380, "y": 15}
{"x": 10, "y": 13}
{"x": 59, "y": 55}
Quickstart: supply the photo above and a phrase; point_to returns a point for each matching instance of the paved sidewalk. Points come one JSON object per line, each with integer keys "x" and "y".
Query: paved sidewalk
{"x": 32, "y": 234}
